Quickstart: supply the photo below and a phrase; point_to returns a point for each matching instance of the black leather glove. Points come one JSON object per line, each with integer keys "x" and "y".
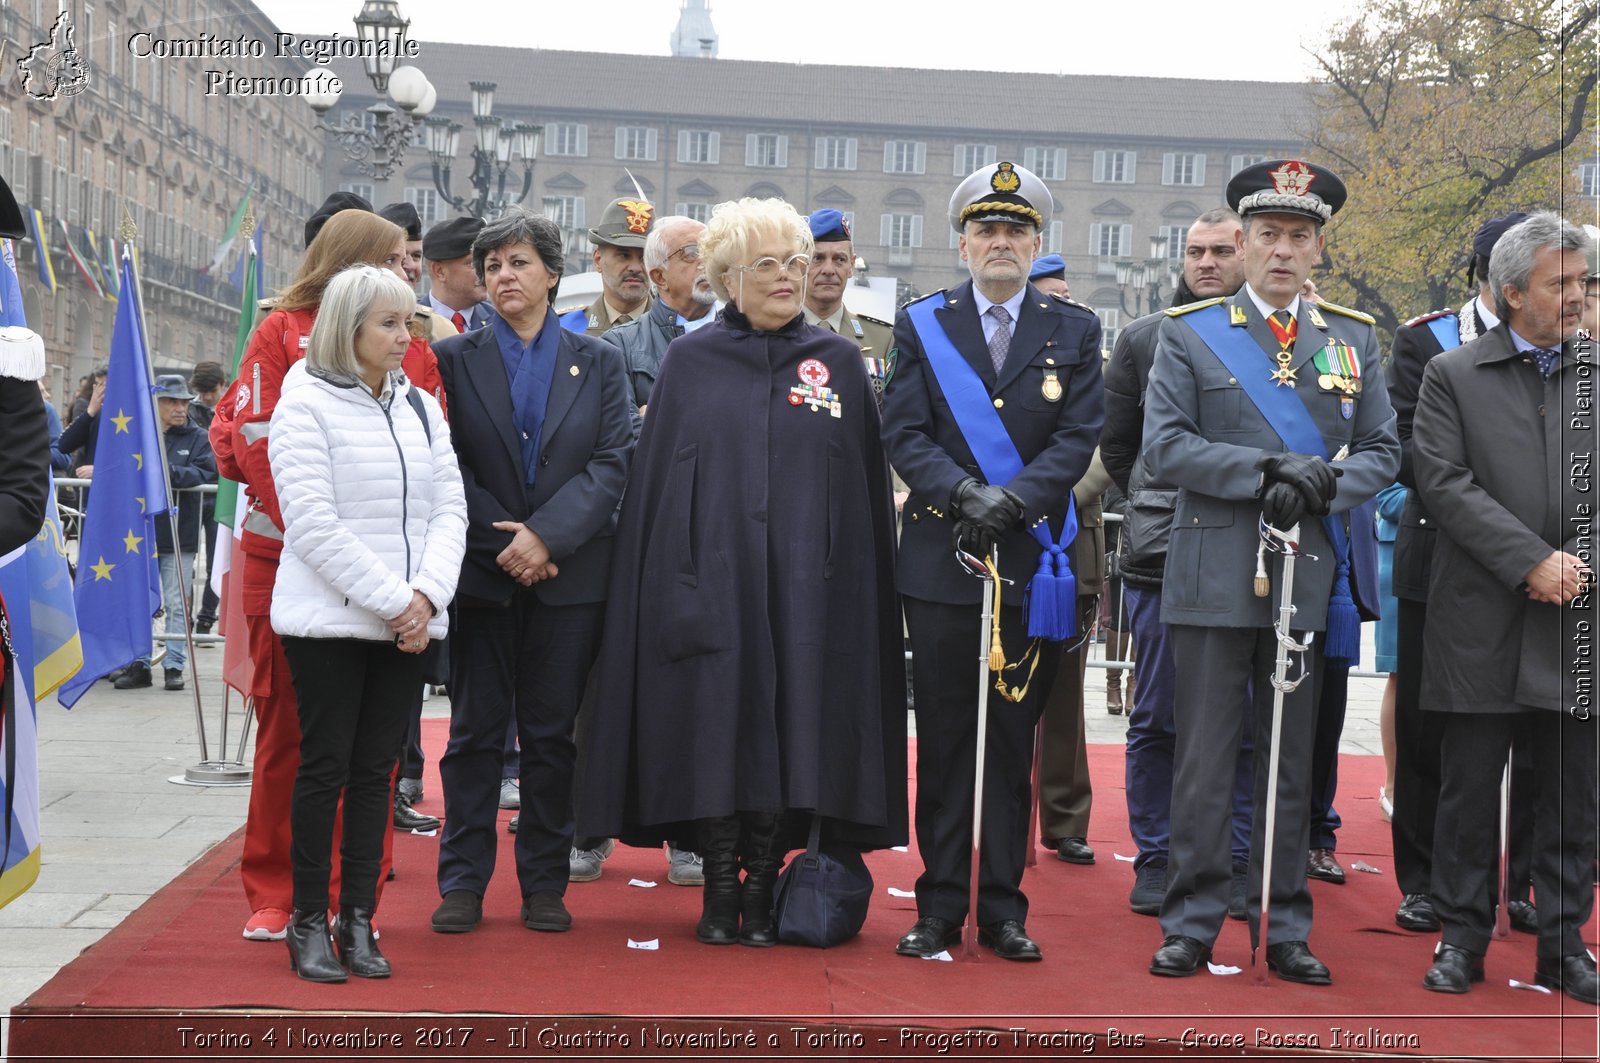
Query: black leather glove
{"x": 994, "y": 509}
{"x": 1315, "y": 479}
{"x": 972, "y": 539}
{"x": 1282, "y": 505}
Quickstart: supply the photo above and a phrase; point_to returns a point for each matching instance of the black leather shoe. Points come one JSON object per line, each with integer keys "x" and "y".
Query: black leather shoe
{"x": 929, "y": 937}
{"x": 407, "y": 818}
{"x": 511, "y": 824}
{"x": 1294, "y": 963}
{"x": 461, "y": 911}
{"x": 1075, "y": 851}
{"x": 137, "y": 676}
{"x": 1573, "y": 975}
{"x": 1523, "y": 916}
{"x": 311, "y": 947}
{"x": 1321, "y": 866}
{"x": 1454, "y": 970}
{"x": 1239, "y": 894}
{"x": 358, "y": 945}
{"x": 1416, "y": 913}
{"x": 172, "y": 678}
{"x": 1149, "y": 888}
{"x": 1010, "y": 941}
{"x": 1179, "y": 956}
{"x": 545, "y": 910}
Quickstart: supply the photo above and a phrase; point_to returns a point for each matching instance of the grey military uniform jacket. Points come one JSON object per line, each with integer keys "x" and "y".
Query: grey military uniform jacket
{"x": 1204, "y": 435}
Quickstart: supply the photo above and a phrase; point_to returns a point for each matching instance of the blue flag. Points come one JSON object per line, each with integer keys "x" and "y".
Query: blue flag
{"x": 119, "y": 583}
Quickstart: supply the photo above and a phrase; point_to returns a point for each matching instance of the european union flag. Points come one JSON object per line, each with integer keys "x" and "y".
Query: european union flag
{"x": 119, "y": 583}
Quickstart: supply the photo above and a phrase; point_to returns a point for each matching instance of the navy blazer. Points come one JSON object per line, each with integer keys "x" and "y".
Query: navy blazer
{"x": 584, "y": 450}
{"x": 1055, "y": 437}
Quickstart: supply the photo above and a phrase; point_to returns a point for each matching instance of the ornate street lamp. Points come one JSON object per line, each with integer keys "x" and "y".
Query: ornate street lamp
{"x": 1146, "y": 277}
{"x": 497, "y": 144}
{"x": 378, "y": 143}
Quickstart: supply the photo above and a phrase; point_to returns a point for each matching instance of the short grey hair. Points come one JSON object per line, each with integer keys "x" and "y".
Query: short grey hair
{"x": 1511, "y": 263}
{"x": 520, "y": 226}
{"x": 350, "y": 296}
{"x": 655, "y": 245}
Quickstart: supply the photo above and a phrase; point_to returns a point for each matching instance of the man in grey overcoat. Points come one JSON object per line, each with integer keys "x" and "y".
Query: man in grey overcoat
{"x": 1228, "y": 378}
{"x": 1505, "y": 443}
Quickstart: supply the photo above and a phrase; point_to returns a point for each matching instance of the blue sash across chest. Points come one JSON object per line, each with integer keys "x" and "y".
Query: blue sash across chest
{"x": 1052, "y": 593}
{"x": 1447, "y": 330}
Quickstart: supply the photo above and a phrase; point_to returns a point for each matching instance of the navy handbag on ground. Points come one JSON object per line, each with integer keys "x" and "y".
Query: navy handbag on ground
{"x": 822, "y": 896}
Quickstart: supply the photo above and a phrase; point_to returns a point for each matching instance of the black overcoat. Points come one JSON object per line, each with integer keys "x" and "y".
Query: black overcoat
{"x": 752, "y": 655}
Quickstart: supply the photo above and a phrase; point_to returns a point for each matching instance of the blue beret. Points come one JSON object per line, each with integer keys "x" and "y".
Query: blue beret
{"x": 1491, "y": 231}
{"x": 1048, "y": 266}
{"x": 828, "y": 226}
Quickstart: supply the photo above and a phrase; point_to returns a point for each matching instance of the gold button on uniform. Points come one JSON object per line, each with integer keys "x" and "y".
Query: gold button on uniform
{"x": 999, "y": 404}
{"x": 573, "y": 370}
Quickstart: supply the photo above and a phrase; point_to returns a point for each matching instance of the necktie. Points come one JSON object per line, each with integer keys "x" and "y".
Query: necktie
{"x": 458, "y": 321}
{"x": 1283, "y": 328}
{"x": 1546, "y": 359}
{"x": 1000, "y": 342}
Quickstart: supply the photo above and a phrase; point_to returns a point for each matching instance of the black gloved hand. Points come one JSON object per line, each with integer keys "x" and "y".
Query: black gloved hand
{"x": 1282, "y": 505}
{"x": 972, "y": 539}
{"x": 994, "y": 509}
{"x": 1315, "y": 479}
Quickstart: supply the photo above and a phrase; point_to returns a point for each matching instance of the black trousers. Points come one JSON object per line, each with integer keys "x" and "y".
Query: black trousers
{"x": 524, "y": 663}
{"x": 1466, "y": 837}
{"x": 353, "y": 696}
{"x": 1331, "y": 707}
{"x": 944, "y": 646}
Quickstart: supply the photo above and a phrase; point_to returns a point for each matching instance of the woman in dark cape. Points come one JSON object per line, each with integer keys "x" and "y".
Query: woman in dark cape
{"x": 751, "y": 671}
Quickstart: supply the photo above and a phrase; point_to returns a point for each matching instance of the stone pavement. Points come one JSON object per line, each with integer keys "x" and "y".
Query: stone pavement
{"x": 115, "y": 829}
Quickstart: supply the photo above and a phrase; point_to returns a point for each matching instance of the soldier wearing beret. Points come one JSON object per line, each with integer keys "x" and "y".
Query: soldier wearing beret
{"x": 1262, "y": 406}
{"x": 454, "y": 292}
{"x": 1049, "y": 275}
{"x": 332, "y": 205}
{"x": 833, "y": 263}
{"x": 997, "y": 360}
{"x": 619, "y": 259}
{"x": 405, "y": 215}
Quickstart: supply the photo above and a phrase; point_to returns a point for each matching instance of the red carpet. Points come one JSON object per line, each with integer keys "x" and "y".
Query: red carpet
{"x": 179, "y": 964}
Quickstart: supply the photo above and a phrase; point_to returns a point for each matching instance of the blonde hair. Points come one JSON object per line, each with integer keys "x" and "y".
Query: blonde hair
{"x": 737, "y": 225}
{"x": 348, "y": 298}
{"x": 349, "y": 238}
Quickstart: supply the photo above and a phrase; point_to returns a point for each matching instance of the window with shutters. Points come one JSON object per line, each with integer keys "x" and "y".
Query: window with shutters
{"x": 971, "y": 156}
{"x": 566, "y": 211}
{"x": 1110, "y": 326}
{"x": 1177, "y": 238}
{"x": 1048, "y": 164}
{"x": 699, "y": 145}
{"x": 89, "y": 211}
{"x": 901, "y": 234}
{"x": 1052, "y": 239}
{"x": 636, "y": 143}
{"x": 700, "y": 212}
{"x": 360, "y": 188}
{"x": 1110, "y": 239}
{"x": 836, "y": 153}
{"x": 1115, "y": 167}
{"x": 1589, "y": 179}
{"x": 1239, "y": 162}
{"x": 768, "y": 150}
{"x": 1183, "y": 168}
{"x": 566, "y": 138}
{"x": 430, "y": 208}
{"x": 905, "y": 156}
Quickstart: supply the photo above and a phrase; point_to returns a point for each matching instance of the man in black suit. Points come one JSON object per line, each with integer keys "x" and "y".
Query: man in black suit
{"x": 1033, "y": 363}
{"x": 542, "y": 424}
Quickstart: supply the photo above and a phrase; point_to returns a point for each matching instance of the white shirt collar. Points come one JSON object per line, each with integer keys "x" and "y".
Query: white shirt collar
{"x": 1485, "y": 314}
{"x": 1013, "y": 305}
{"x": 1267, "y": 309}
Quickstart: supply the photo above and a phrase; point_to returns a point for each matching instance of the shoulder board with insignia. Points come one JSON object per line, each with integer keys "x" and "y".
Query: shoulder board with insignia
{"x": 567, "y": 310}
{"x": 1345, "y": 311}
{"x": 1189, "y": 308}
{"x": 422, "y": 311}
{"x": 1423, "y": 319}
{"x": 267, "y": 304}
{"x": 874, "y": 321}
{"x": 1070, "y": 301}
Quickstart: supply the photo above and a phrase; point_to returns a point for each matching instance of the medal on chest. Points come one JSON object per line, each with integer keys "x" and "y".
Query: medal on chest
{"x": 813, "y": 390}
{"x": 1338, "y": 368}
{"x": 1283, "y": 376}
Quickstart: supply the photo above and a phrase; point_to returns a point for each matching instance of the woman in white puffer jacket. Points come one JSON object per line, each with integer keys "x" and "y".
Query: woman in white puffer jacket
{"x": 374, "y": 531}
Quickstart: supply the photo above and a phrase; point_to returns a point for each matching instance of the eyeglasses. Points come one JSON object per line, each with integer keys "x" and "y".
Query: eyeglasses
{"x": 769, "y": 269}
{"x": 690, "y": 253}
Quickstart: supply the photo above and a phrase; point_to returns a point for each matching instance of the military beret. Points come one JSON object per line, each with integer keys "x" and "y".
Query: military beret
{"x": 827, "y": 226}
{"x": 451, "y": 239}
{"x": 11, "y": 223}
{"x": 625, "y": 223}
{"x": 1287, "y": 186}
{"x": 1001, "y": 192}
{"x": 331, "y": 206}
{"x": 1489, "y": 232}
{"x": 404, "y": 215}
{"x": 1048, "y": 266}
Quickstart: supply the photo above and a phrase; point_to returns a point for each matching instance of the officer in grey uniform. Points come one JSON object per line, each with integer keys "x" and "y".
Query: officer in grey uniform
{"x": 1207, "y": 433}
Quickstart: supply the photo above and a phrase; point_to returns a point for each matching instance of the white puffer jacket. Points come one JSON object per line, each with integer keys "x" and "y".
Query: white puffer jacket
{"x": 371, "y": 510}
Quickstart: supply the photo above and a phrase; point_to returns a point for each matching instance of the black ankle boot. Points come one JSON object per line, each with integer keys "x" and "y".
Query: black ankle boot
{"x": 758, "y": 851}
{"x": 358, "y": 948}
{"x": 311, "y": 948}
{"x": 719, "y": 905}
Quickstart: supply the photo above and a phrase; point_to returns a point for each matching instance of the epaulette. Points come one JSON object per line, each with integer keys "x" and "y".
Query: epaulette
{"x": 1189, "y": 308}
{"x": 267, "y": 304}
{"x": 1423, "y": 319}
{"x": 873, "y": 320}
{"x": 567, "y": 310}
{"x": 1335, "y": 308}
{"x": 1070, "y": 301}
{"x": 422, "y": 311}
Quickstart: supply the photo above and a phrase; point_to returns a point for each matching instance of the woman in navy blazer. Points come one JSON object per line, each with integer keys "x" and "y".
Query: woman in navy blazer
{"x": 542, "y": 424}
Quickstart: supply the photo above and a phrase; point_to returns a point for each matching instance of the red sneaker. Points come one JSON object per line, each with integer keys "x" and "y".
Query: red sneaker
{"x": 269, "y": 924}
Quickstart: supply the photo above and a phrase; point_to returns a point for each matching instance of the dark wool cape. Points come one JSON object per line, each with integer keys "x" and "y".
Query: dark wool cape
{"x": 752, "y": 657}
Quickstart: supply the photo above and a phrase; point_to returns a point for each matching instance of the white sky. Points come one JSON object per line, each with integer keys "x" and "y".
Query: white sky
{"x": 1140, "y": 37}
